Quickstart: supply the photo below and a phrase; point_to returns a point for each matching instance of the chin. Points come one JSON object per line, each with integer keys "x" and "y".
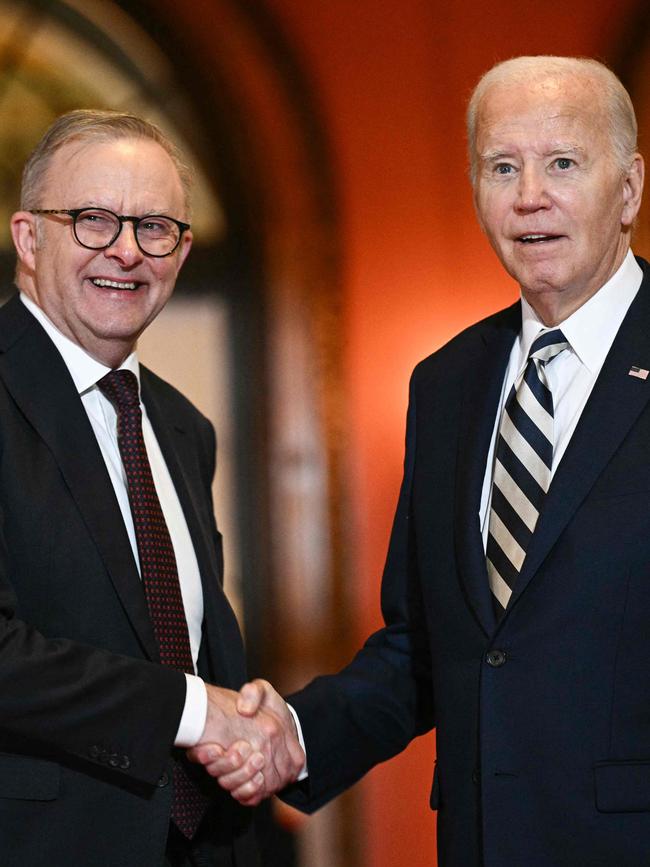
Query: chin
{"x": 543, "y": 280}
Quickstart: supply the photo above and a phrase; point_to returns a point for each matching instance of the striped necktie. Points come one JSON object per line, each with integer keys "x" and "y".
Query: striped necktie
{"x": 522, "y": 468}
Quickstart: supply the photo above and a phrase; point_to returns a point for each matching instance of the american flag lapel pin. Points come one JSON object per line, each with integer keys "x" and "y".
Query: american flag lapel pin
{"x": 639, "y": 372}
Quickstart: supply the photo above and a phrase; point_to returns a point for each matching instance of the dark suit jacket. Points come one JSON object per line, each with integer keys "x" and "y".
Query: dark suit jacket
{"x": 543, "y": 747}
{"x": 87, "y": 716}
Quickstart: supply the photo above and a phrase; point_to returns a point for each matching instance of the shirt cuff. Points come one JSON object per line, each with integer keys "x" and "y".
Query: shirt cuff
{"x": 194, "y": 715}
{"x": 304, "y": 773}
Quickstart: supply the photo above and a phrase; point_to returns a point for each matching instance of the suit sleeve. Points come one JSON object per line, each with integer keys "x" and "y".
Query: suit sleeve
{"x": 371, "y": 709}
{"x": 60, "y": 697}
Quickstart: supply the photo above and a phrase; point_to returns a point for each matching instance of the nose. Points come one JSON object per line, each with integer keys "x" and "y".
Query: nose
{"x": 125, "y": 247}
{"x": 532, "y": 190}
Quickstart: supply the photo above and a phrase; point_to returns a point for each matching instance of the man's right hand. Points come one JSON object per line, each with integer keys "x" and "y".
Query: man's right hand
{"x": 263, "y": 754}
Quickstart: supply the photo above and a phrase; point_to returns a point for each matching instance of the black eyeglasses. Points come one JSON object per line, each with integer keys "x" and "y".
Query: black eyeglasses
{"x": 97, "y": 229}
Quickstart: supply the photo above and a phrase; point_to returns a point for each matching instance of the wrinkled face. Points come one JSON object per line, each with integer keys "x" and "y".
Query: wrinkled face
{"x": 549, "y": 195}
{"x": 102, "y": 299}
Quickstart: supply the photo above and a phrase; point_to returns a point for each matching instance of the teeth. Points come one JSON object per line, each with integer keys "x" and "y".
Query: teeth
{"x": 113, "y": 284}
{"x": 529, "y": 238}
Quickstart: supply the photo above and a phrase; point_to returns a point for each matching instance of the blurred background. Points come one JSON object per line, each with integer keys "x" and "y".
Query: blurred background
{"x": 335, "y": 246}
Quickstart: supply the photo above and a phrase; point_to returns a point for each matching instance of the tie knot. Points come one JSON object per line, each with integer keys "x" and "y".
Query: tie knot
{"x": 547, "y": 345}
{"x": 121, "y": 388}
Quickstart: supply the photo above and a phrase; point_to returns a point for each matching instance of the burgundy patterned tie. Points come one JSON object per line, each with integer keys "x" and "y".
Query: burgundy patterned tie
{"x": 157, "y": 567}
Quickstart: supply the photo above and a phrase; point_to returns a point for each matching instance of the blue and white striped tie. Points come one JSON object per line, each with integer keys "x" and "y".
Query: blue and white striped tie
{"x": 522, "y": 468}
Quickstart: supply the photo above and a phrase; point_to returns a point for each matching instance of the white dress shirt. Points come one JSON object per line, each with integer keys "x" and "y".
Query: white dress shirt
{"x": 86, "y": 372}
{"x": 590, "y": 331}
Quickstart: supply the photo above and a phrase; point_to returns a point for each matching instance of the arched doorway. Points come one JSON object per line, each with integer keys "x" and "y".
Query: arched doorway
{"x": 261, "y": 288}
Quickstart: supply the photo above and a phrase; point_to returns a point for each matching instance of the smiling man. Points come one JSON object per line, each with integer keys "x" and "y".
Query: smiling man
{"x": 113, "y": 622}
{"x": 516, "y": 591}
{"x": 99, "y": 284}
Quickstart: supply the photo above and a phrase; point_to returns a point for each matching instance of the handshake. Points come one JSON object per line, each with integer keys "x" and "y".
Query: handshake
{"x": 250, "y": 743}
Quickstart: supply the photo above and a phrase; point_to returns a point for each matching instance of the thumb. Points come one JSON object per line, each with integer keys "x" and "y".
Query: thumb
{"x": 251, "y": 698}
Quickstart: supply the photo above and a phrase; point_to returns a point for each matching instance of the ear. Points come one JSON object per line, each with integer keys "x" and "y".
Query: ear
{"x": 23, "y": 232}
{"x": 632, "y": 191}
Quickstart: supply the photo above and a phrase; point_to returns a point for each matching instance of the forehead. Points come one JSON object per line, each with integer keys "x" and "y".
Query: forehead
{"x": 551, "y": 111}
{"x": 126, "y": 174}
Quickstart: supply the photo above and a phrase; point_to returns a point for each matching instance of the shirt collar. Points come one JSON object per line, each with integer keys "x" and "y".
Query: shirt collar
{"x": 590, "y": 329}
{"x": 85, "y": 370}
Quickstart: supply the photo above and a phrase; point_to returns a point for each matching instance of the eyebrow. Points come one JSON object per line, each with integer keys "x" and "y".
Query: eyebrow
{"x": 491, "y": 156}
{"x": 566, "y": 149}
{"x": 494, "y": 155}
{"x": 162, "y": 212}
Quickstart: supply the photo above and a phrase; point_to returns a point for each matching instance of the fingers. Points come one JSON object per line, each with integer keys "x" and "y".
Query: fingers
{"x": 235, "y": 770}
{"x": 252, "y": 771}
{"x": 203, "y": 754}
{"x": 238, "y": 770}
{"x": 252, "y": 793}
{"x": 254, "y": 782}
{"x": 251, "y": 774}
{"x": 263, "y": 754}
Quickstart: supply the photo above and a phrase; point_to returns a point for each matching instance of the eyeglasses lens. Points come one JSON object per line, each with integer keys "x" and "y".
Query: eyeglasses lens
{"x": 97, "y": 229}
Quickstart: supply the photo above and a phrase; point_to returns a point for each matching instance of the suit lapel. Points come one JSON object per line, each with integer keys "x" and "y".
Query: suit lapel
{"x": 481, "y": 393}
{"x": 614, "y": 405}
{"x": 38, "y": 379}
{"x": 174, "y": 441}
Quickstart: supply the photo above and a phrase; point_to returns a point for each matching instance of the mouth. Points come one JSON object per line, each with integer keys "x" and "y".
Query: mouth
{"x": 537, "y": 238}
{"x": 120, "y": 285}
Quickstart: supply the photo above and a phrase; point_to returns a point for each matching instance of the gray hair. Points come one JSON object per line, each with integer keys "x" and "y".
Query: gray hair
{"x": 616, "y": 100}
{"x": 89, "y": 125}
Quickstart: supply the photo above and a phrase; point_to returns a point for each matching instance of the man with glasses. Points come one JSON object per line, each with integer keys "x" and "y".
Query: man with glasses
{"x": 113, "y": 621}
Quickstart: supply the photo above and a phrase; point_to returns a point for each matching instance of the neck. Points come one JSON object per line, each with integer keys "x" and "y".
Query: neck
{"x": 551, "y": 311}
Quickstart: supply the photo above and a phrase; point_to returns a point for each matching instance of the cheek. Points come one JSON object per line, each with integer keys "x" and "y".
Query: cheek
{"x": 601, "y": 227}
{"x": 492, "y": 209}
{"x": 167, "y": 277}
{"x": 594, "y": 212}
{"x": 163, "y": 279}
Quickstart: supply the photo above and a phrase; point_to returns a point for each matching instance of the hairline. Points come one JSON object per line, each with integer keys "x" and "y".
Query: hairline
{"x": 88, "y": 127}
{"x": 615, "y": 100}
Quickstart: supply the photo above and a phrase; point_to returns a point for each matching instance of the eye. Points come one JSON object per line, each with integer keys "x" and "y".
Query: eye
{"x": 503, "y": 169}
{"x": 155, "y": 226}
{"x": 564, "y": 163}
{"x": 96, "y": 220}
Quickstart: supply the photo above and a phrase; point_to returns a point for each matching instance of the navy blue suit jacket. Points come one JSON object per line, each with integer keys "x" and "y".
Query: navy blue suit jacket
{"x": 544, "y": 757}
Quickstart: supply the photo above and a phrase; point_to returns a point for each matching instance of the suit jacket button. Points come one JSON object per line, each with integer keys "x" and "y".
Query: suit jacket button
{"x": 163, "y": 780}
{"x": 495, "y": 658}
{"x": 125, "y": 762}
{"x": 94, "y": 751}
{"x": 476, "y": 776}
{"x": 113, "y": 760}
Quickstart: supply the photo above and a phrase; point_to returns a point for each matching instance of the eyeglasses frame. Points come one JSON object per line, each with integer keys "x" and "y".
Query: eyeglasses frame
{"x": 122, "y": 218}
